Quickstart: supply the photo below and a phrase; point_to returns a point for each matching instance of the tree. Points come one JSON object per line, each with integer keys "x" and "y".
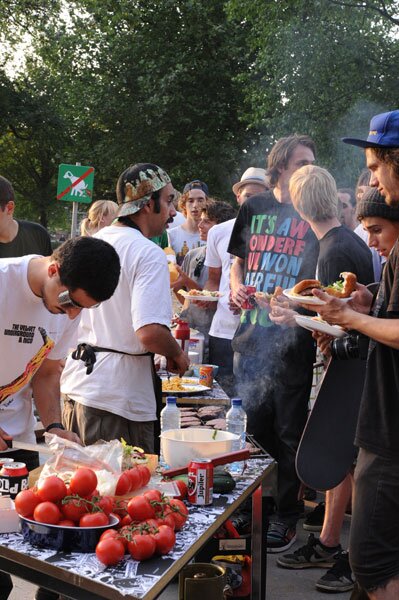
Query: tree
{"x": 319, "y": 68}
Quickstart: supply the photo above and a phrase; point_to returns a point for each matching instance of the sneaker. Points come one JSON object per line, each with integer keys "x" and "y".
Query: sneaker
{"x": 242, "y": 523}
{"x": 280, "y": 537}
{"x": 338, "y": 578}
{"x": 310, "y": 555}
{"x": 314, "y": 519}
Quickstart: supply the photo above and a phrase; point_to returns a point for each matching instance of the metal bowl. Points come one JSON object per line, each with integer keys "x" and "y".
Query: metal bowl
{"x": 69, "y": 539}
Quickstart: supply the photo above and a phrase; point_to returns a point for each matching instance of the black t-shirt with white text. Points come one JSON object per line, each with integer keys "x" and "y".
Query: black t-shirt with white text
{"x": 279, "y": 249}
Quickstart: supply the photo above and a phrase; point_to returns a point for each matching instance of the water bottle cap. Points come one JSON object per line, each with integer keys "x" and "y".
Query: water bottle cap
{"x": 171, "y": 400}
{"x": 236, "y": 401}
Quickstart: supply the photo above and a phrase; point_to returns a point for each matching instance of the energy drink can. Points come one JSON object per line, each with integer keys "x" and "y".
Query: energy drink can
{"x": 13, "y": 479}
{"x": 200, "y": 482}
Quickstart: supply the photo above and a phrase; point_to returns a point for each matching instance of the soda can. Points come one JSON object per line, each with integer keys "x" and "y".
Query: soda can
{"x": 200, "y": 481}
{"x": 206, "y": 376}
{"x": 13, "y": 479}
{"x": 250, "y": 301}
{"x": 5, "y": 461}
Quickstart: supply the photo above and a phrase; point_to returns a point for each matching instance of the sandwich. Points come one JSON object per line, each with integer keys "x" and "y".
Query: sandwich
{"x": 342, "y": 288}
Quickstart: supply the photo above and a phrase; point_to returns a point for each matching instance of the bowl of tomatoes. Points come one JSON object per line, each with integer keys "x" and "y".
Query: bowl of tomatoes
{"x": 61, "y": 537}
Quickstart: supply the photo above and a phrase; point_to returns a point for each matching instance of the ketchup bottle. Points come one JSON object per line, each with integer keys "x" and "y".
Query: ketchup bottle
{"x": 182, "y": 334}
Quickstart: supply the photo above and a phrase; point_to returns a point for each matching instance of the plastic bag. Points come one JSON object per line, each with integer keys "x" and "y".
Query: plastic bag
{"x": 105, "y": 458}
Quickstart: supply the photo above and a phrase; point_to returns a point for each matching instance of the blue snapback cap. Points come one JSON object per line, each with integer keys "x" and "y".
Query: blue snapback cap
{"x": 384, "y": 132}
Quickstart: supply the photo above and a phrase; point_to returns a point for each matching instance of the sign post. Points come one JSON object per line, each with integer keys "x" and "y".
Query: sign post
{"x": 75, "y": 184}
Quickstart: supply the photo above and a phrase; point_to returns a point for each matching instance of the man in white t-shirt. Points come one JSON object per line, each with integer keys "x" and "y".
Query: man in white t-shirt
{"x": 218, "y": 261}
{"x": 37, "y": 295}
{"x": 186, "y": 237}
{"x": 115, "y": 393}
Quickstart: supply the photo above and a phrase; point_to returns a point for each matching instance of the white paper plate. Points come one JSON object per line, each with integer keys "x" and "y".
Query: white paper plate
{"x": 311, "y": 300}
{"x": 316, "y": 325}
{"x": 190, "y": 385}
{"x": 201, "y": 298}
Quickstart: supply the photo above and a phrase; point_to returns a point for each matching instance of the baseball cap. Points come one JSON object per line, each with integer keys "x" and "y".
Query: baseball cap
{"x": 196, "y": 185}
{"x": 136, "y": 186}
{"x": 252, "y": 175}
{"x": 372, "y": 204}
{"x": 384, "y": 132}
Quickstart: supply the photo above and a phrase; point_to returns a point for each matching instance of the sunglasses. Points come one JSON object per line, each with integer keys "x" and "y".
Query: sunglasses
{"x": 65, "y": 301}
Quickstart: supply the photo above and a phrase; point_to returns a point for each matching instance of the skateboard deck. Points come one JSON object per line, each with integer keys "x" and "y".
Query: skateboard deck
{"x": 326, "y": 450}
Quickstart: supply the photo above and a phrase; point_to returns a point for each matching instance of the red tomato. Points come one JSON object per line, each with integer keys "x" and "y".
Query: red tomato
{"x": 154, "y": 495}
{"x": 51, "y": 489}
{"x": 67, "y": 523}
{"x": 182, "y": 489}
{"x": 152, "y": 523}
{"x": 110, "y": 551}
{"x": 165, "y": 539}
{"x": 179, "y": 512}
{"x": 83, "y": 481}
{"x": 106, "y": 504}
{"x": 135, "y": 479}
{"x": 123, "y": 485}
{"x": 47, "y": 512}
{"x": 140, "y": 509}
{"x": 96, "y": 519}
{"x": 126, "y": 520}
{"x": 119, "y": 507}
{"x": 74, "y": 509}
{"x": 167, "y": 520}
{"x": 142, "y": 547}
{"x": 26, "y": 502}
{"x": 112, "y": 533}
{"x": 145, "y": 474}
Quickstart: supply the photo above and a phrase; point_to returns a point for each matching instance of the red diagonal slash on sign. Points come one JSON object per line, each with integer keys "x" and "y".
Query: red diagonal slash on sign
{"x": 78, "y": 180}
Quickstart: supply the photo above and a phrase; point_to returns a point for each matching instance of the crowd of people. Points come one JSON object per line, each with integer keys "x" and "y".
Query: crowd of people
{"x": 292, "y": 224}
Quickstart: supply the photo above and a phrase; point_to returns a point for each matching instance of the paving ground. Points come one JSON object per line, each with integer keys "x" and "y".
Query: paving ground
{"x": 282, "y": 584}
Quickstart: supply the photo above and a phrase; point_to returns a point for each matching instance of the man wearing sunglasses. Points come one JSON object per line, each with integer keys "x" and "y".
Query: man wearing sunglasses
{"x": 113, "y": 391}
{"x": 41, "y": 299}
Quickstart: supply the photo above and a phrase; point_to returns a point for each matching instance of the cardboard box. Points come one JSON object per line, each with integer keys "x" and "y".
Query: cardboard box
{"x": 9, "y": 520}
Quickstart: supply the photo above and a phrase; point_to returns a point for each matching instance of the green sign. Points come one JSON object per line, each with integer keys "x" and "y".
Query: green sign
{"x": 75, "y": 183}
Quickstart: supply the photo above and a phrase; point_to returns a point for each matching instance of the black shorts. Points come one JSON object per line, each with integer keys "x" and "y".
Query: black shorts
{"x": 374, "y": 534}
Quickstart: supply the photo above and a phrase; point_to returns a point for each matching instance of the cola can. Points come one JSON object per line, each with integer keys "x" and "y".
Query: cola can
{"x": 13, "y": 478}
{"x": 200, "y": 481}
{"x": 250, "y": 301}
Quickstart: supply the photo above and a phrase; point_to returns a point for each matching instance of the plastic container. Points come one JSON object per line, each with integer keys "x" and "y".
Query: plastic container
{"x": 181, "y": 446}
{"x": 170, "y": 419}
{"x": 196, "y": 344}
{"x": 181, "y": 333}
{"x": 236, "y": 422}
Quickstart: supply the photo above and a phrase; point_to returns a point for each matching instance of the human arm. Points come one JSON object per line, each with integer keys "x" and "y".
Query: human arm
{"x": 157, "y": 338}
{"x": 346, "y": 314}
{"x": 46, "y": 394}
{"x": 238, "y": 289}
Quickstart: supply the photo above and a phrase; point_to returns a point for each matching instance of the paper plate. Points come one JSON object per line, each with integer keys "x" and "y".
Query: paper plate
{"x": 190, "y": 387}
{"x": 201, "y": 298}
{"x": 314, "y": 324}
{"x": 310, "y": 300}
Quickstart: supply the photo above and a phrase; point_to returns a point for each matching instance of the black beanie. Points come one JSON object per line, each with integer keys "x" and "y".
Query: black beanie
{"x": 372, "y": 204}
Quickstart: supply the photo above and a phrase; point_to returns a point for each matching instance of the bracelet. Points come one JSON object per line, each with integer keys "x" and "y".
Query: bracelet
{"x": 54, "y": 426}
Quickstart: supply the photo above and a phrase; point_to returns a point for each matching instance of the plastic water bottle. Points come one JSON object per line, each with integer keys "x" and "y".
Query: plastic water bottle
{"x": 236, "y": 422}
{"x": 170, "y": 419}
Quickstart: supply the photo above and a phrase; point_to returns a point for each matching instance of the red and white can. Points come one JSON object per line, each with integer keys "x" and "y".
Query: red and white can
{"x": 200, "y": 481}
{"x": 13, "y": 478}
{"x": 249, "y": 303}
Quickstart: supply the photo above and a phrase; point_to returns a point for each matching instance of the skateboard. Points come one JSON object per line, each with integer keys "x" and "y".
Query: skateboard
{"x": 326, "y": 451}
